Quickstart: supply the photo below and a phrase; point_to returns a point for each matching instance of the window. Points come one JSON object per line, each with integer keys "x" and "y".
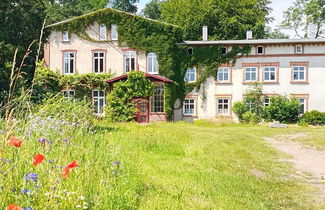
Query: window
{"x": 65, "y": 36}
{"x": 190, "y": 51}
{"x": 189, "y": 106}
{"x": 223, "y": 106}
{"x": 98, "y": 62}
{"x": 68, "y": 62}
{"x": 299, "y": 73}
{"x": 267, "y": 101}
{"x": 250, "y": 74}
{"x": 129, "y": 61}
{"x": 114, "y": 35}
{"x": 223, "y": 74}
{"x": 269, "y": 73}
{"x": 190, "y": 75}
{"x": 102, "y": 32}
{"x": 298, "y": 49}
{"x": 302, "y": 102}
{"x": 68, "y": 94}
{"x": 224, "y": 51}
{"x": 260, "y": 50}
{"x": 152, "y": 63}
{"x": 98, "y": 101}
{"x": 157, "y": 99}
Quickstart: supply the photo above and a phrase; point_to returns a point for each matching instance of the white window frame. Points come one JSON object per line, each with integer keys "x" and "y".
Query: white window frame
{"x": 67, "y": 62}
{"x": 298, "y": 70}
{"x": 263, "y": 49}
{"x": 221, "y": 71}
{"x": 223, "y": 111}
{"x": 99, "y": 111}
{"x": 301, "y": 49}
{"x": 188, "y": 75}
{"x": 188, "y": 102}
{"x": 128, "y": 56}
{"x": 251, "y": 73}
{"x": 158, "y": 99}
{"x": 102, "y": 32}
{"x": 99, "y": 58}
{"x": 68, "y": 94}
{"x": 152, "y": 58}
{"x": 304, "y": 104}
{"x": 269, "y": 73}
{"x": 65, "y": 36}
{"x": 114, "y": 34}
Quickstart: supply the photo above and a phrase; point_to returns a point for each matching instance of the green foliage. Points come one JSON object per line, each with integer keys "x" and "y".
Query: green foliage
{"x": 251, "y": 118}
{"x": 65, "y": 9}
{"x": 304, "y": 13}
{"x": 152, "y": 10}
{"x": 240, "y": 108}
{"x": 314, "y": 118}
{"x": 283, "y": 109}
{"x": 120, "y": 107}
{"x": 48, "y": 83}
{"x": 254, "y": 98}
{"x": 125, "y": 5}
{"x": 227, "y": 19}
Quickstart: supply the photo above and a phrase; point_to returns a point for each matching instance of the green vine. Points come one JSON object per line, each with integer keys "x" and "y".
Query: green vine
{"x": 164, "y": 40}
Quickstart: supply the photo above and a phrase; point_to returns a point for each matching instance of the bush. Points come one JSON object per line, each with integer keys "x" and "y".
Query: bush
{"x": 251, "y": 118}
{"x": 239, "y": 109}
{"x": 314, "y": 118}
{"x": 283, "y": 109}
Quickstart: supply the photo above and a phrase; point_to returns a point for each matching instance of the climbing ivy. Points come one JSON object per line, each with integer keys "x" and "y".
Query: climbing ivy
{"x": 120, "y": 107}
{"x": 48, "y": 83}
{"x": 164, "y": 40}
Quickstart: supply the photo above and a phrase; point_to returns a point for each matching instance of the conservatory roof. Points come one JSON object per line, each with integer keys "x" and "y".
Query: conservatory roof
{"x": 151, "y": 77}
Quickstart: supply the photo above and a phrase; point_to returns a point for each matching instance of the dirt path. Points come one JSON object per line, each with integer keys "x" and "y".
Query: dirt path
{"x": 309, "y": 162}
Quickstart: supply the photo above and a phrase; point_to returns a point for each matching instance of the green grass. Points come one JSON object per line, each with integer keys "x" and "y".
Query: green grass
{"x": 162, "y": 166}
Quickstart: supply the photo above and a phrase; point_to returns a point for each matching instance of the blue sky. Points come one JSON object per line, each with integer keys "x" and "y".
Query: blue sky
{"x": 278, "y": 7}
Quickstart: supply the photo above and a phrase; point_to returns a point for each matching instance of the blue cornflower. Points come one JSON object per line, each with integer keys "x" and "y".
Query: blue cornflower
{"x": 117, "y": 163}
{"x": 65, "y": 140}
{"x": 25, "y": 191}
{"x": 28, "y": 208}
{"x": 31, "y": 176}
{"x": 51, "y": 142}
{"x": 115, "y": 172}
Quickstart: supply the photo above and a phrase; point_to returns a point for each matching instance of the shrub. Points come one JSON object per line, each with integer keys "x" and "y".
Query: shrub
{"x": 239, "y": 109}
{"x": 283, "y": 109}
{"x": 251, "y": 118}
{"x": 314, "y": 118}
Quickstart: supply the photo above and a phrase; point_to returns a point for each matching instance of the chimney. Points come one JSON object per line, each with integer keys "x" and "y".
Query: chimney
{"x": 249, "y": 35}
{"x": 205, "y": 33}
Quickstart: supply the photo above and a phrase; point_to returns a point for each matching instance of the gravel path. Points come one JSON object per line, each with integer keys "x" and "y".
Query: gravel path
{"x": 309, "y": 162}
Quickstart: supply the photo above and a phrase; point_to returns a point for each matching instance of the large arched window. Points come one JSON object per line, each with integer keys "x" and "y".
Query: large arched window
{"x": 152, "y": 63}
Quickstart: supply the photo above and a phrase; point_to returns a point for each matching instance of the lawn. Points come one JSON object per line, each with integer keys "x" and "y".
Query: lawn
{"x": 156, "y": 166}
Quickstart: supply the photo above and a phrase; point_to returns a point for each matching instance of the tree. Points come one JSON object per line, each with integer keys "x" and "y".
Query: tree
{"x": 65, "y": 9}
{"x": 227, "y": 19}
{"x": 21, "y": 23}
{"x": 125, "y": 5}
{"x": 303, "y": 16}
{"x": 275, "y": 34}
{"x": 152, "y": 10}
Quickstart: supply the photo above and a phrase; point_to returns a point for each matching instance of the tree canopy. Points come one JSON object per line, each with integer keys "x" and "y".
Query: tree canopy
{"x": 152, "y": 10}
{"x": 304, "y": 14}
{"x": 227, "y": 19}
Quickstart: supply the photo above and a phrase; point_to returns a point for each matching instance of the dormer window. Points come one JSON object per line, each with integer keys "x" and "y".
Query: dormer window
{"x": 260, "y": 50}
{"x": 102, "y": 32}
{"x": 190, "y": 51}
{"x": 114, "y": 35}
{"x": 65, "y": 36}
{"x": 298, "y": 49}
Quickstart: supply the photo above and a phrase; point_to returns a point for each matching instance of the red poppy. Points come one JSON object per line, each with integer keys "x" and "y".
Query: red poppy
{"x": 38, "y": 159}
{"x": 14, "y": 141}
{"x": 13, "y": 207}
{"x": 66, "y": 171}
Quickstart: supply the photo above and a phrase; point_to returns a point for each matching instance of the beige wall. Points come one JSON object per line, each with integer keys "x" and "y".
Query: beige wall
{"x": 84, "y": 48}
{"x": 284, "y": 55}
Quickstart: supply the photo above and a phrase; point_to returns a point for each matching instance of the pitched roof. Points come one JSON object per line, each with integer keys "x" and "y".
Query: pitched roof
{"x": 152, "y": 77}
{"x": 109, "y": 10}
{"x": 255, "y": 42}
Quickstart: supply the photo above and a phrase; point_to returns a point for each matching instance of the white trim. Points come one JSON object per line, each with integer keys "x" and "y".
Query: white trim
{"x": 188, "y": 74}
{"x": 67, "y": 61}
{"x": 152, "y": 57}
{"x": 223, "y": 73}
{"x": 275, "y": 73}
{"x": 65, "y": 36}
{"x": 99, "y": 58}
{"x": 98, "y": 97}
{"x": 301, "y": 48}
{"x": 190, "y": 102}
{"x": 114, "y": 34}
{"x": 130, "y": 54}
{"x": 102, "y": 32}
{"x": 225, "y": 112}
{"x": 299, "y": 71}
{"x": 250, "y": 73}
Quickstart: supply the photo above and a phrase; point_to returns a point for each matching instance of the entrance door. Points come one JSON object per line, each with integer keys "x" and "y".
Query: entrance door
{"x": 143, "y": 111}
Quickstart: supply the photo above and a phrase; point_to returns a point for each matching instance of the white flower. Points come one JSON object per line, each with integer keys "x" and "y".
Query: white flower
{"x": 81, "y": 197}
{"x": 78, "y": 206}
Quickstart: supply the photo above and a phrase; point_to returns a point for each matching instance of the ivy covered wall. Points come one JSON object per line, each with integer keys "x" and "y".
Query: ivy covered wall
{"x": 164, "y": 40}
